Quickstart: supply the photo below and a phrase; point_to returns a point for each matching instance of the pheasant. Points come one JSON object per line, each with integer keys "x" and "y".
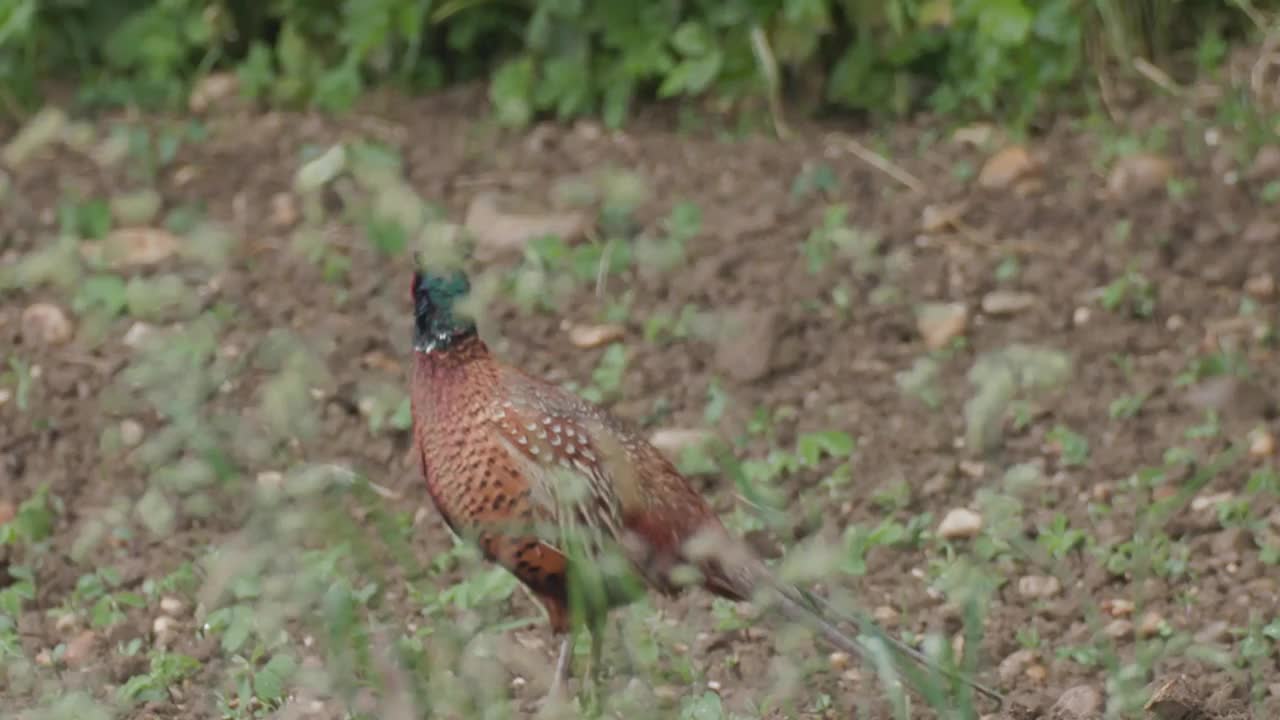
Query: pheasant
{"x": 573, "y": 502}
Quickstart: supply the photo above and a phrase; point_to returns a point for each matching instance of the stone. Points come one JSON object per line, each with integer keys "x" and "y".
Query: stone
{"x": 45, "y": 324}
{"x": 1013, "y": 666}
{"x": 588, "y": 337}
{"x": 1139, "y": 174}
{"x": 1006, "y": 302}
{"x": 746, "y": 345}
{"x": 1082, "y": 702}
{"x": 940, "y": 323}
{"x": 960, "y": 524}
{"x": 1005, "y": 166}
{"x": 1039, "y": 587}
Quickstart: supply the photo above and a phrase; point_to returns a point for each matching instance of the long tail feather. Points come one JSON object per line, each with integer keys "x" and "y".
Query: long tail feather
{"x": 731, "y": 568}
{"x": 807, "y": 608}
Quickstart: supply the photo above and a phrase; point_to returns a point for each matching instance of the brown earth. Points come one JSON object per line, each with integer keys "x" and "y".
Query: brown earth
{"x": 1198, "y": 239}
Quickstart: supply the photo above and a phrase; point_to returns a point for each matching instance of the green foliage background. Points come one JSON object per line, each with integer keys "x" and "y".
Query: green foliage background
{"x": 1008, "y": 58}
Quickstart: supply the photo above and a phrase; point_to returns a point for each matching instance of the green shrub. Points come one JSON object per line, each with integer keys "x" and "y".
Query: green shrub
{"x": 1008, "y": 58}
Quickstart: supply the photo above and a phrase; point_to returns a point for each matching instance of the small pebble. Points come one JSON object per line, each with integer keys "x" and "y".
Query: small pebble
{"x": 46, "y": 324}
{"x": 940, "y": 217}
{"x": 839, "y": 660}
{"x": 1082, "y": 701}
{"x": 1151, "y": 624}
{"x": 1004, "y": 167}
{"x": 1080, "y": 316}
{"x": 1013, "y": 666}
{"x": 960, "y": 523}
{"x": 935, "y": 485}
{"x": 1006, "y": 302}
{"x": 172, "y": 605}
{"x": 162, "y": 630}
{"x": 940, "y": 323}
{"x": 1138, "y": 174}
{"x": 673, "y": 441}
{"x": 137, "y": 334}
{"x": 1262, "y": 287}
{"x": 587, "y": 337}
{"x": 1262, "y": 443}
{"x": 284, "y": 210}
{"x": 885, "y": 615}
{"x": 66, "y": 622}
{"x": 213, "y": 89}
{"x": 130, "y": 432}
{"x": 1206, "y": 502}
{"x": 1119, "y": 607}
{"x": 667, "y": 693}
{"x": 976, "y": 135}
{"x": 1039, "y": 587}
{"x": 80, "y": 649}
{"x": 138, "y": 247}
{"x": 1118, "y": 629}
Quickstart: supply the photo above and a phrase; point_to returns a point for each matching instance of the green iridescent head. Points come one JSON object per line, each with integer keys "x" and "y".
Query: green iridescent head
{"x": 437, "y": 326}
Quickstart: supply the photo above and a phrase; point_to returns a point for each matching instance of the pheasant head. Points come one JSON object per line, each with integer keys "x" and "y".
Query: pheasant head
{"x": 438, "y": 324}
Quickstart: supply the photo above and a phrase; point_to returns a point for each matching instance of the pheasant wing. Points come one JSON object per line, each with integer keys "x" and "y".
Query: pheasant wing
{"x": 580, "y": 476}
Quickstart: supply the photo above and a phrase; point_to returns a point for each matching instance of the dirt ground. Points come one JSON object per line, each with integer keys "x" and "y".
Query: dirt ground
{"x": 1205, "y": 237}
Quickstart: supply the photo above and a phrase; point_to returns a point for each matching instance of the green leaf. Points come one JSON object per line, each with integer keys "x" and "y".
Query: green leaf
{"x": 322, "y": 170}
{"x": 129, "y": 599}
{"x": 511, "y": 92}
{"x": 339, "y": 88}
{"x": 104, "y": 613}
{"x": 269, "y": 682}
{"x": 811, "y": 446}
{"x": 238, "y": 630}
{"x": 16, "y": 20}
{"x": 402, "y": 418}
{"x": 692, "y": 76}
{"x": 89, "y": 219}
{"x": 388, "y": 236}
{"x": 565, "y": 85}
{"x": 691, "y": 39}
{"x": 339, "y": 609}
{"x": 1005, "y": 22}
{"x": 704, "y": 707}
{"x": 617, "y": 103}
{"x": 257, "y": 73}
{"x": 292, "y": 51}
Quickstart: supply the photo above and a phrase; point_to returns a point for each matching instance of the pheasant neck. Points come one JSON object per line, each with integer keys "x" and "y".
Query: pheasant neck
{"x": 460, "y": 351}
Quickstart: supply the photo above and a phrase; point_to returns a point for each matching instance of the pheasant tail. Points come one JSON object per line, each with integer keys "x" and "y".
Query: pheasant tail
{"x": 734, "y": 571}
